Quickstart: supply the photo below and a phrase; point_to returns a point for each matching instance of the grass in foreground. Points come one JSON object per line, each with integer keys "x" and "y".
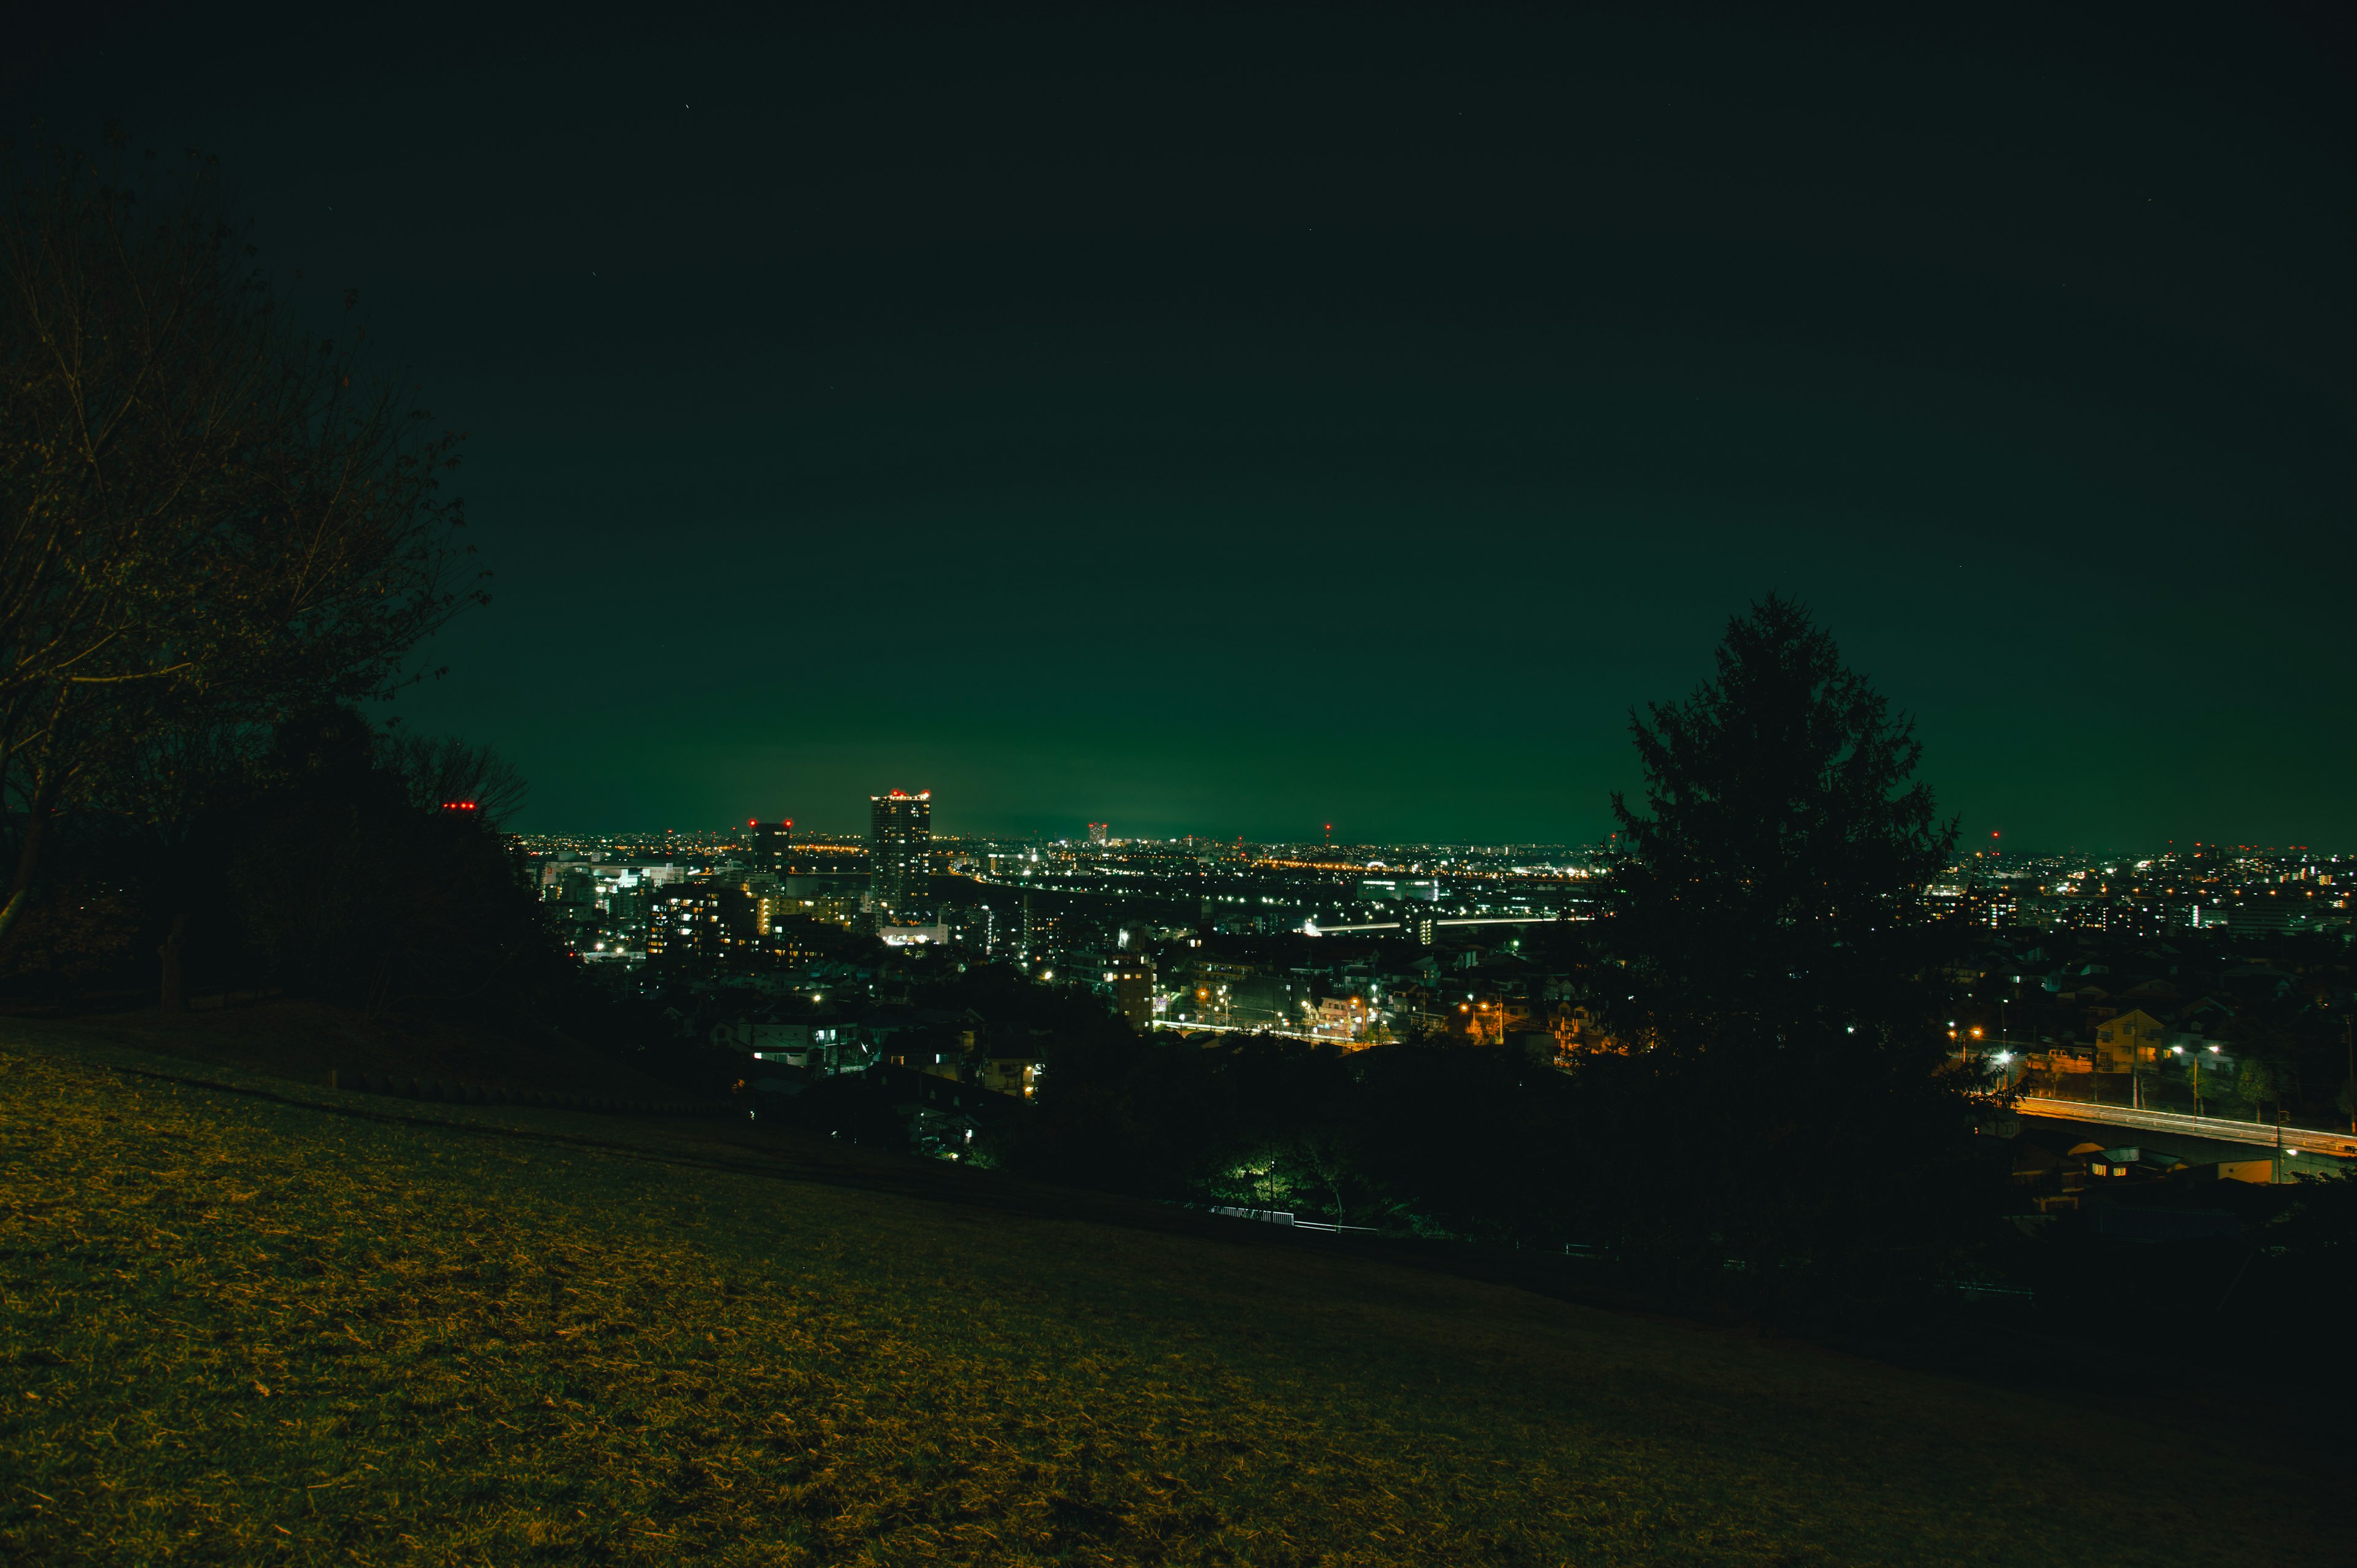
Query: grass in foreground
{"x": 238, "y": 1331}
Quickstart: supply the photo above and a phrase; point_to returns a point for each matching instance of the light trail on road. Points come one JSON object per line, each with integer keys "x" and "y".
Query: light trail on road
{"x": 2307, "y": 1140}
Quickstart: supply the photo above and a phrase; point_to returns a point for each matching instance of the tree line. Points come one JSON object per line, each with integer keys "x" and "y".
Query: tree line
{"x": 221, "y": 530}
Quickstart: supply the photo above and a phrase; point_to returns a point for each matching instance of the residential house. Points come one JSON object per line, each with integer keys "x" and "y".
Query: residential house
{"x": 2127, "y": 1040}
{"x": 1014, "y": 1075}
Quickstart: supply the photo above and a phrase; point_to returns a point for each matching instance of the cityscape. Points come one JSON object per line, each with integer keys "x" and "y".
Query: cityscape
{"x": 2055, "y": 963}
{"x": 1404, "y": 786}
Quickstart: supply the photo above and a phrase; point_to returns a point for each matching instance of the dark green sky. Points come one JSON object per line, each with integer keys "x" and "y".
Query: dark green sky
{"x": 1234, "y": 421}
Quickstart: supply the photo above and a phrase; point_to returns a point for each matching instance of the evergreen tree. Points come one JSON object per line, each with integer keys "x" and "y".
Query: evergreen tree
{"x": 1768, "y": 898}
{"x": 1786, "y": 1092}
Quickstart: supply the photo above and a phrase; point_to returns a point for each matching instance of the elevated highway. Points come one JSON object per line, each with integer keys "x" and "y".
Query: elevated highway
{"x": 1312, "y": 928}
{"x": 2341, "y": 1145}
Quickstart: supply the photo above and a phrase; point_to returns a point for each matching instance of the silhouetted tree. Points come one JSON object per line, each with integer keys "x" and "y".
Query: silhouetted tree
{"x": 358, "y": 895}
{"x": 1770, "y": 889}
{"x": 207, "y": 516}
{"x": 1785, "y": 1100}
{"x": 172, "y": 796}
{"x": 442, "y": 772}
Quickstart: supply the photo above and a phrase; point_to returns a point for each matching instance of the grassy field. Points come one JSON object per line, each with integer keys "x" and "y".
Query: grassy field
{"x": 237, "y": 1329}
{"x": 304, "y": 1041}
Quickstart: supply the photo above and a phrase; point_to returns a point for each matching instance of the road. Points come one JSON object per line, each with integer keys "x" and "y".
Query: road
{"x": 2305, "y": 1139}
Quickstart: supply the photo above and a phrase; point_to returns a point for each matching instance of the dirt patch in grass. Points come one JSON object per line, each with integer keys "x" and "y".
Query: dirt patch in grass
{"x": 238, "y": 1330}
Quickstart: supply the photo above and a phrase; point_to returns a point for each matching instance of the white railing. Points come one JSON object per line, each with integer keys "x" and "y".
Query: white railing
{"x": 1285, "y": 1216}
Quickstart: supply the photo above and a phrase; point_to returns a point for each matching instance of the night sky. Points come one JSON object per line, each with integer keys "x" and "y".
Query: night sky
{"x": 1230, "y": 421}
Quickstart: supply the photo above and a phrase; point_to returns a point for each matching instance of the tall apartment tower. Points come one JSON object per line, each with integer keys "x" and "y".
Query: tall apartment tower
{"x": 899, "y": 853}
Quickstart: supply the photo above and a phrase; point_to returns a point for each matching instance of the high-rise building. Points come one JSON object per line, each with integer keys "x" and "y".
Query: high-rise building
{"x": 1098, "y": 831}
{"x": 900, "y": 855}
{"x": 770, "y": 842}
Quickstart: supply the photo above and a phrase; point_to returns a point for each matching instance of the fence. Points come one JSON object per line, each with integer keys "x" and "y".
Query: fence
{"x": 1286, "y": 1217}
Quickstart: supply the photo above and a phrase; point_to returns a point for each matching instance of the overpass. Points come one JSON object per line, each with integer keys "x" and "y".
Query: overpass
{"x": 2305, "y": 1139}
{"x": 1312, "y": 928}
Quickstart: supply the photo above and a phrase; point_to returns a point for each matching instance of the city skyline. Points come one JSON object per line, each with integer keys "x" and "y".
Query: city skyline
{"x": 653, "y": 898}
{"x": 735, "y": 832}
{"x": 819, "y": 823}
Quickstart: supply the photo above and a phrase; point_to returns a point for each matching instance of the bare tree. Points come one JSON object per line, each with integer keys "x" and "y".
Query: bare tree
{"x": 206, "y": 514}
{"x": 450, "y": 772}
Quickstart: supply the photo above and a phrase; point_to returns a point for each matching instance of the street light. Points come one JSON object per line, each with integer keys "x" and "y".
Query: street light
{"x": 2179, "y": 1051}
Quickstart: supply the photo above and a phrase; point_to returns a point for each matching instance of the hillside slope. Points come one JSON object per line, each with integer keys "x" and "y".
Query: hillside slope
{"x": 303, "y": 1040}
{"x": 240, "y": 1329}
